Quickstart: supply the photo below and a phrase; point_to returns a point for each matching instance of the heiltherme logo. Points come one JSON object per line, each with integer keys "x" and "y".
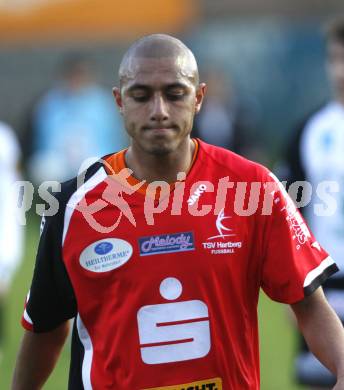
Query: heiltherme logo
{"x": 106, "y": 255}
{"x": 103, "y": 248}
{"x": 166, "y": 243}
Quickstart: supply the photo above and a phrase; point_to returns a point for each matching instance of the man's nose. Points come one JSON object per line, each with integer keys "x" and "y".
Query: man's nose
{"x": 159, "y": 109}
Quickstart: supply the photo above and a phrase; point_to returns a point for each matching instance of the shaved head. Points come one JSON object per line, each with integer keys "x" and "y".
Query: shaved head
{"x": 155, "y": 47}
{"x": 158, "y": 96}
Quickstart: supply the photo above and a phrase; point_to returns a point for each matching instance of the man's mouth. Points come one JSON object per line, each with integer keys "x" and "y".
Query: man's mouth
{"x": 159, "y": 129}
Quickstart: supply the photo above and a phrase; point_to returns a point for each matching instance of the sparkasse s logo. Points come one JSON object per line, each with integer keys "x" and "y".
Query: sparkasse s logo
{"x": 195, "y": 196}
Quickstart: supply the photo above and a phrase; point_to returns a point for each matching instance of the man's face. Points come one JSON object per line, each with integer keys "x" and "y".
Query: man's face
{"x": 336, "y": 65}
{"x": 158, "y": 101}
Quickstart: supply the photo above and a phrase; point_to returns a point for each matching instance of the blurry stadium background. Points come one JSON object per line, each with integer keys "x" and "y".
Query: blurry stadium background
{"x": 272, "y": 51}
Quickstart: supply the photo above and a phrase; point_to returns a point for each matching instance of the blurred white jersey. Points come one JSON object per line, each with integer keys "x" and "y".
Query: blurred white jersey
{"x": 322, "y": 154}
{"x": 11, "y": 233}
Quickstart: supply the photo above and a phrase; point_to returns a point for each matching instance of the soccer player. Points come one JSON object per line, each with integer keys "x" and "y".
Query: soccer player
{"x": 11, "y": 233}
{"x": 159, "y": 253}
{"x": 316, "y": 155}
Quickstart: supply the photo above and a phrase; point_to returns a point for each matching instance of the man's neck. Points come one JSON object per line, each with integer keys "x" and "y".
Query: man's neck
{"x": 152, "y": 167}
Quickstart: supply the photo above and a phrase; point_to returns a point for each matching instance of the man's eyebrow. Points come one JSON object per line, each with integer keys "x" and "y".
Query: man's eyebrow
{"x": 176, "y": 85}
{"x": 145, "y": 87}
{"x": 138, "y": 86}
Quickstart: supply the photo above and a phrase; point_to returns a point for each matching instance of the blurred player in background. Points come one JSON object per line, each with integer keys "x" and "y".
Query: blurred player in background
{"x": 169, "y": 303}
{"x": 73, "y": 121}
{"x": 11, "y": 234}
{"x": 219, "y": 122}
{"x": 317, "y": 155}
{"x": 226, "y": 120}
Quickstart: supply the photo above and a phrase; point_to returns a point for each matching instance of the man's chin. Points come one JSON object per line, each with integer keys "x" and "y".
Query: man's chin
{"x": 160, "y": 150}
{"x": 160, "y": 145}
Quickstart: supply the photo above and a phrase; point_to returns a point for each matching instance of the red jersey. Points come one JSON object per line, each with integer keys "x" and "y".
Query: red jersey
{"x": 164, "y": 288}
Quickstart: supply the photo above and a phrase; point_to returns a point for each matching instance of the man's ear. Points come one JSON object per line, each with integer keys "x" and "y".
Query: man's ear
{"x": 118, "y": 98}
{"x": 200, "y": 92}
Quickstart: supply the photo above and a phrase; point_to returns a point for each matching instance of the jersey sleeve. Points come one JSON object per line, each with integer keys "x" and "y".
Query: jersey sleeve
{"x": 51, "y": 300}
{"x": 294, "y": 263}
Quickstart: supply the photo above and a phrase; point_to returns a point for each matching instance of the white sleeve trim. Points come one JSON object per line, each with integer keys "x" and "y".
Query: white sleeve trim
{"x": 318, "y": 271}
{"x": 88, "y": 355}
{"x": 91, "y": 183}
{"x": 26, "y": 316}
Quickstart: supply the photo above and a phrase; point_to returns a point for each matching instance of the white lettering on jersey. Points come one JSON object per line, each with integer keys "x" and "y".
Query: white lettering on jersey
{"x": 199, "y": 191}
{"x": 219, "y": 244}
{"x": 176, "y": 331}
{"x": 294, "y": 218}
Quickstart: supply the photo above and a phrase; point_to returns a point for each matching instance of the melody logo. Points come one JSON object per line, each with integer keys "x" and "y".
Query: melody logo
{"x": 166, "y": 243}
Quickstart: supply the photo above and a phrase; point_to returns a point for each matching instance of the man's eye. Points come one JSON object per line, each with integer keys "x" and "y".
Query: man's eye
{"x": 175, "y": 95}
{"x": 140, "y": 97}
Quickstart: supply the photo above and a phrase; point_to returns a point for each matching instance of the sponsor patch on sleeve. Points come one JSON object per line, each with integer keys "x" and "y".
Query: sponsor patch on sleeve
{"x": 205, "y": 384}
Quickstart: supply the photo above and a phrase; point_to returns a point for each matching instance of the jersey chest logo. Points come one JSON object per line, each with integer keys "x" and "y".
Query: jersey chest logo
{"x": 175, "y": 331}
{"x": 106, "y": 255}
{"x": 222, "y": 243}
{"x": 166, "y": 243}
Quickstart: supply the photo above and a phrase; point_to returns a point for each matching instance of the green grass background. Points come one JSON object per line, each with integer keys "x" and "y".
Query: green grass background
{"x": 277, "y": 337}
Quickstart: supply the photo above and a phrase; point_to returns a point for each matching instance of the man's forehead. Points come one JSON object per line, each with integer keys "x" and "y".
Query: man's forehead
{"x": 171, "y": 67}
